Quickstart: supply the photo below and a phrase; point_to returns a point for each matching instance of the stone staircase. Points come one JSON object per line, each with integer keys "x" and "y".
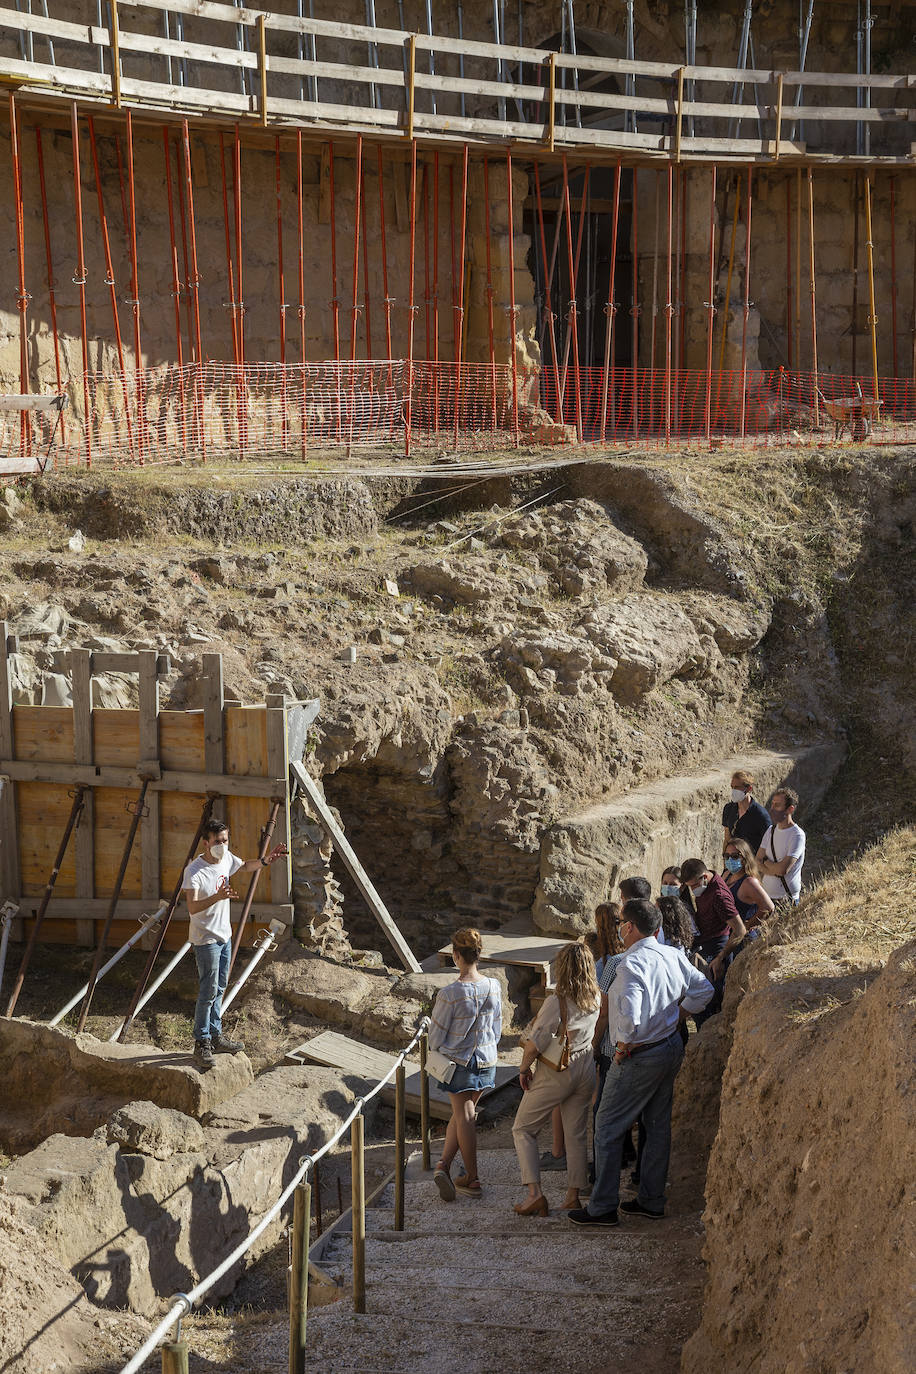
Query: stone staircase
{"x": 469, "y": 1286}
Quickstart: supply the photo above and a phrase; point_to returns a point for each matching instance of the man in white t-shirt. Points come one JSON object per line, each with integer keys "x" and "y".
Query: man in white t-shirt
{"x": 207, "y": 889}
{"x": 782, "y": 849}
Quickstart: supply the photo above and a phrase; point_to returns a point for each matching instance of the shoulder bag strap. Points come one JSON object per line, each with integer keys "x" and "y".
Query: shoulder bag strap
{"x": 782, "y": 879}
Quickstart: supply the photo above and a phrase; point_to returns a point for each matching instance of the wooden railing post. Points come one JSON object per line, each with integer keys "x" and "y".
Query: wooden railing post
{"x": 552, "y": 100}
{"x": 262, "y": 64}
{"x": 175, "y": 1358}
{"x": 400, "y": 1131}
{"x": 114, "y": 36}
{"x": 358, "y": 1212}
{"x": 299, "y": 1278}
{"x": 424, "y": 1101}
{"x": 410, "y": 74}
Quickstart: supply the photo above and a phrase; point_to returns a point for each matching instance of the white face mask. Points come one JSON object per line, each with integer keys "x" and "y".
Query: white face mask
{"x": 699, "y": 890}
{"x": 738, "y": 794}
{"x": 218, "y": 851}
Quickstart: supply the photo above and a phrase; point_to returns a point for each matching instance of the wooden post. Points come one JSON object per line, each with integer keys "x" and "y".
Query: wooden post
{"x": 149, "y": 750}
{"x": 552, "y": 100}
{"x": 214, "y": 741}
{"x": 400, "y": 1131}
{"x": 84, "y": 849}
{"x": 278, "y": 767}
{"x": 411, "y": 75}
{"x": 299, "y": 1278}
{"x": 778, "y": 117}
{"x": 424, "y": 1101}
{"x": 316, "y": 1172}
{"x": 175, "y": 1358}
{"x": 262, "y": 64}
{"x": 115, "y": 36}
{"x": 9, "y": 836}
{"x": 358, "y": 1212}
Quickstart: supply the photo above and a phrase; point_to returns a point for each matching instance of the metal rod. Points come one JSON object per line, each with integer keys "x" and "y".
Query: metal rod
{"x": 185, "y": 259}
{"x": 299, "y": 1278}
{"x": 137, "y": 810}
{"x": 372, "y": 49}
{"x": 135, "y": 287}
{"x": 303, "y": 400}
{"x": 893, "y": 276}
{"x": 489, "y": 287}
{"x": 630, "y": 116}
{"x": 804, "y": 33}
{"x": 548, "y": 308}
{"x": 176, "y": 281}
{"x": 400, "y": 1132}
{"x": 411, "y": 308}
{"x": 669, "y": 306}
{"x": 813, "y": 297}
{"x": 335, "y": 300}
{"x": 267, "y": 835}
{"x": 872, "y": 303}
{"x": 154, "y": 987}
{"x": 738, "y": 86}
{"x": 52, "y": 302}
{"x": 230, "y": 269}
{"x": 22, "y": 296}
{"x": 424, "y": 1102}
{"x": 267, "y": 943}
{"x": 148, "y": 924}
{"x": 354, "y": 305}
{"x": 72, "y": 822}
{"x": 710, "y": 303}
{"x": 163, "y": 930}
{"x": 731, "y": 265}
{"x": 798, "y": 265}
{"x": 458, "y": 298}
{"x": 427, "y": 298}
{"x": 789, "y": 301}
{"x": 572, "y": 338}
{"x": 435, "y": 296}
{"x": 512, "y": 305}
{"x": 855, "y": 277}
{"x": 80, "y": 279}
{"x": 572, "y": 48}
{"x": 610, "y": 311}
{"x": 262, "y": 67}
{"x": 497, "y": 38}
{"x": 115, "y": 40}
{"x": 194, "y": 284}
{"x": 239, "y": 292}
{"x": 461, "y": 55}
{"x": 358, "y": 1212}
{"x": 866, "y": 94}
{"x": 389, "y": 302}
{"x": 634, "y": 308}
{"x": 432, "y": 59}
{"x": 281, "y": 289}
{"x": 313, "y": 53}
{"x": 367, "y": 304}
{"x": 747, "y": 295}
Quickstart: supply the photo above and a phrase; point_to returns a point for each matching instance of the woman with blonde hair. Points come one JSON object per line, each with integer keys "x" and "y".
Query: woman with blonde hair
{"x": 743, "y": 874}
{"x": 466, "y": 1026}
{"x": 569, "y": 1013}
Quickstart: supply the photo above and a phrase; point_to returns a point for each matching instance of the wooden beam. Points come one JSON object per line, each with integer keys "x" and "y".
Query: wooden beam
{"x": 319, "y": 807}
{"x": 115, "y": 56}
{"x": 411, "y": 83}
{"x": 278, "y": 763}
{"x": 9, "y": 837}
{"x": 149, "y": 749}
{"x": 214, "y": 737}
{"x": 680, "y": 114}
{"x": 117, "y": 663}
{"x": 262, "y": 66}
{"x": 552, "y": 106}
{"x": 103, "y": 775}
{"x": 84, "y": 840}
{"x": 66, "y": 908}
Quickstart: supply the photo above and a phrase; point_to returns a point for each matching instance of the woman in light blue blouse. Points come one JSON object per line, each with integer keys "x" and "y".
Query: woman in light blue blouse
{"x": 466, "y": 1026}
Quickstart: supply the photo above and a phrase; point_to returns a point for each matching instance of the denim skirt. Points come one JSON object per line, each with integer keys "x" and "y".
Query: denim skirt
{"x": 470, "y": 1078}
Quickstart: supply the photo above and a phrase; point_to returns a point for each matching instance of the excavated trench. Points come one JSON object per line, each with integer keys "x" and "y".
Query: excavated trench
{"x": 502, "y": 760}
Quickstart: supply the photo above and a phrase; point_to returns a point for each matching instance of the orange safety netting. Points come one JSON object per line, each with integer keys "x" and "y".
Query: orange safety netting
{"x": 262, "y": 410}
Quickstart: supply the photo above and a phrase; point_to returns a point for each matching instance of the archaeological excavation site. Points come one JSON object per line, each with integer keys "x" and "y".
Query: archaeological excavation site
{"x": 457, "y": 459}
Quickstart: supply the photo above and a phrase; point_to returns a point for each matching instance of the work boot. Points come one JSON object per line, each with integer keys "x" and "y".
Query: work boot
{"x": 223, "y": 1046}
{"x": 203, "y": 1055}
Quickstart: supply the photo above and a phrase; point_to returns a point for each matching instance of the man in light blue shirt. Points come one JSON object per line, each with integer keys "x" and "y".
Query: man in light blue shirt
{"x": 655, "y": 986}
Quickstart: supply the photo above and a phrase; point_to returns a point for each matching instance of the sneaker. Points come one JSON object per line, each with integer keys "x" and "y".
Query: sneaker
{"x": 549, "y": 1161}
{"x": 634, "y": 1208}
{"x": 445, "y": 1185}
{"x": 203, "y": 1055}
{"x": 581, "y": 1216}
{"x": 223, "y": 1046}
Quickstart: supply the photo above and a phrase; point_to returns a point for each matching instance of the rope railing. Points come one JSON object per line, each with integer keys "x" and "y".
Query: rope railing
{"x": 182, "y": 1303}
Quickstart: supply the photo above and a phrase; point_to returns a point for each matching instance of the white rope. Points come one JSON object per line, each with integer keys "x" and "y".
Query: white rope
{"x": 185, "y": 1301}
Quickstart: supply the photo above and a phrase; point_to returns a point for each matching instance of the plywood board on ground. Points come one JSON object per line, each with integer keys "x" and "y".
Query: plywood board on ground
{"x": 363, "y": 1061}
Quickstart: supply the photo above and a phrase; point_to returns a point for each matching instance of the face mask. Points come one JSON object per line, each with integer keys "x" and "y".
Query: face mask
{"x": 670, "y": 889}
{"x": 698, "y": 891}
{"x": 218, "y": 851}
{"x": 738, "y": 794}
{"x": 733, "y": 865}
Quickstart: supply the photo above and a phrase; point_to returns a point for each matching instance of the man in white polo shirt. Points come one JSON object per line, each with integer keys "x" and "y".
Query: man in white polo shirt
{"x": 782, "y": 849}
{"x": 207, "y": 889}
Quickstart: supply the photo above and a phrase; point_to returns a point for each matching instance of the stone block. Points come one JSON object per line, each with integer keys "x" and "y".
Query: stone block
{"x": 157, "y": 1131}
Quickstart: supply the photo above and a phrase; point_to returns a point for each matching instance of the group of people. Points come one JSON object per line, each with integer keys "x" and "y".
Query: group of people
{"x": 609, "y": 1038}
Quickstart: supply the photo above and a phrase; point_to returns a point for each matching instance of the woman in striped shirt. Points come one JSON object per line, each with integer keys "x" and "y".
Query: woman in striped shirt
{"x": 466, "y": 1026}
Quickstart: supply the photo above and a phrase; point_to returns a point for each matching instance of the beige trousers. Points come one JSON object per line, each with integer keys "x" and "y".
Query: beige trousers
{"x": 571, "y": 1090}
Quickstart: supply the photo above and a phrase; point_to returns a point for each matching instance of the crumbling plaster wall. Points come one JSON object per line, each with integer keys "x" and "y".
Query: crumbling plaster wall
{"x": 659, "y": 36}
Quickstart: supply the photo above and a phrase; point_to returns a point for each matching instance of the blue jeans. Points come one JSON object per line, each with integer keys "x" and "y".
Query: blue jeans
{"x": 213, "y": 971}
{"x": 642, "y": 1086}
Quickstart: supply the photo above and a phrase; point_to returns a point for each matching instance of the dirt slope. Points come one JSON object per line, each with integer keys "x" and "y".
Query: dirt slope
{"x": 811, "y": 1200}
